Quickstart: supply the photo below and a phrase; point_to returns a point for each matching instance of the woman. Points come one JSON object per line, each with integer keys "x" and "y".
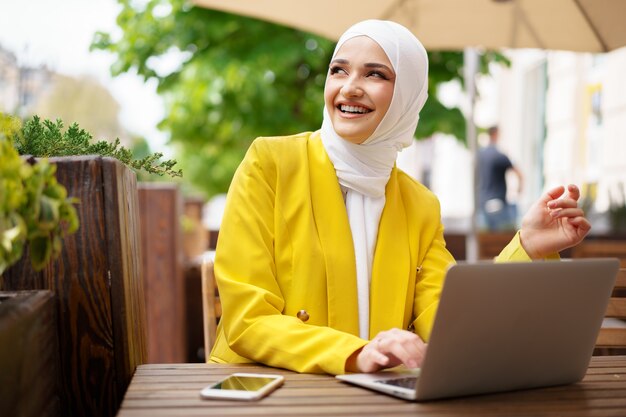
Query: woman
{"x": 330, "y": 259}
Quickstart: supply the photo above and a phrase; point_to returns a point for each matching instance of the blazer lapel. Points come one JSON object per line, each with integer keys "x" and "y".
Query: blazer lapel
{"x": 335, "y": 237}
{"x": 391, "y": 271}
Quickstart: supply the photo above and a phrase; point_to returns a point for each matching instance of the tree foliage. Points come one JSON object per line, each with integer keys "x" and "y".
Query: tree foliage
{"x": 85, "y": 101}
{"x": 238, "y": 78}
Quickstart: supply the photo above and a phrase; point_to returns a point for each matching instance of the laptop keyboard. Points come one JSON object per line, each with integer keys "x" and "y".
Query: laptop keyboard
{"x": 406, "y": 382}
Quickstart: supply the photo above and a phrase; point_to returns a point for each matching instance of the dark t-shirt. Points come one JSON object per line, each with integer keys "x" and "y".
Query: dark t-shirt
{"x": 492, "y": 166}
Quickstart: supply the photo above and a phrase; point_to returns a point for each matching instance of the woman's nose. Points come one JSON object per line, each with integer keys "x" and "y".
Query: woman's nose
{"x": 351, "y": 88}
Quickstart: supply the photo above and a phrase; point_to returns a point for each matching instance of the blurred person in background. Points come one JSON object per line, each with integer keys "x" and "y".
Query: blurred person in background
{"x": 496, "y": 213}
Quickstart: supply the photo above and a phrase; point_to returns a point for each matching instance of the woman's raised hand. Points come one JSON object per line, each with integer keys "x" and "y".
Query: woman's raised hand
{"x": 554, "y": 222}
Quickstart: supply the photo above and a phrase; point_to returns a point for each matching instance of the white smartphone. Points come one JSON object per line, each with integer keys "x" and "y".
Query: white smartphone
{"x": 243, "y": 386}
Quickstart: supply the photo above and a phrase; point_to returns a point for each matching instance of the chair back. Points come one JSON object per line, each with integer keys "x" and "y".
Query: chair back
{"x": 613, "y": 332}
{"x": 211, "y": 306}
{"x": 490, "y": 244}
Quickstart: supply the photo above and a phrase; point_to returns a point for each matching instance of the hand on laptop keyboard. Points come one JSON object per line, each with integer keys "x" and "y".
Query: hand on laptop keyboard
{"x": 388, "y": 349}
{"x": 405, "y": 382}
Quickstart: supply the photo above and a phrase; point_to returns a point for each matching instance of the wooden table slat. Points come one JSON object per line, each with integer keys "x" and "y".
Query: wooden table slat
{"x": 173, "y": 390}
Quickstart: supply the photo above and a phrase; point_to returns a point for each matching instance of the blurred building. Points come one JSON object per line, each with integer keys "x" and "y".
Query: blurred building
{"x": 562, "y": 118}
{"x": 26, "y": 91}
{"x": 21, "y": 86}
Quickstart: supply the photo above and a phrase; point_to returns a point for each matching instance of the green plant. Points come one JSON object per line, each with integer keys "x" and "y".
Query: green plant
{"x": 47, "y": 139}
{"x": 34, "y": 207}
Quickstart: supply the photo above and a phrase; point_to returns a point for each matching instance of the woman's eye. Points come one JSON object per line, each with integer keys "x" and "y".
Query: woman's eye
{"x": 378, "y": 74}
{"x": 337, "y": 70}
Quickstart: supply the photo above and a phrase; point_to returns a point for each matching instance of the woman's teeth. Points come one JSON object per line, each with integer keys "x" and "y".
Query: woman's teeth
{"x": 353, "y": 109}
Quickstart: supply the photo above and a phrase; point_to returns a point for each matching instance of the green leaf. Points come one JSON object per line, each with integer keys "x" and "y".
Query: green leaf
{"x": 48, "y": 213}
{"x": 40, "y": 251}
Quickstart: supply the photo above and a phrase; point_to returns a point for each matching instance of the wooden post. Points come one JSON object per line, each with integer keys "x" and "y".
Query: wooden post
{"x": 160, "y": 205}
{"x": 195, "y": 235}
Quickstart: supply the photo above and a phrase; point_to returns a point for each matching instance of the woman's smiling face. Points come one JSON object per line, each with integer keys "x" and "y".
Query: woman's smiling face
{"x": 359, "y": 88}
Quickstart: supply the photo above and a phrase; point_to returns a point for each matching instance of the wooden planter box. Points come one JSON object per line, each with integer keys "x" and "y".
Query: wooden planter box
{"x": 98, "y": 283}
{"x": 29, "y": 355}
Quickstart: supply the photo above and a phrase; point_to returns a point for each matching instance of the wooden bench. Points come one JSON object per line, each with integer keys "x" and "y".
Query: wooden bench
{"x": 601, "y": 248}
{"x": 612, "y": 337}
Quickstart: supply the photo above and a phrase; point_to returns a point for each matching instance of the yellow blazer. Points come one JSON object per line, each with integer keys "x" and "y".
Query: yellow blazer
{"x": 285, "y": 246}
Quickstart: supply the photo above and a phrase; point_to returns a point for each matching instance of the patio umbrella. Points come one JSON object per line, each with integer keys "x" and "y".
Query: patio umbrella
{"x": 575, "y": 25}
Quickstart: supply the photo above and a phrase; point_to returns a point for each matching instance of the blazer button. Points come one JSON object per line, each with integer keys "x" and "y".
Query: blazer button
{"x": 303, "y": 315}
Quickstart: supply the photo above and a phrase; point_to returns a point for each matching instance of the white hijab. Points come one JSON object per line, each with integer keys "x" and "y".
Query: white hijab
{"x": 364, "y": 169}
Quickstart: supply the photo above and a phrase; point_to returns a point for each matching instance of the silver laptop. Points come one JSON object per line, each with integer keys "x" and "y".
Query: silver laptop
{"x": 507, "y": 326}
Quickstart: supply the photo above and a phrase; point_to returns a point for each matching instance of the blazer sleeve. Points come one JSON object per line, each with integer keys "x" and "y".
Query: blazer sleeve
{"x": 514, "y": 252}
{"x": 429, "y": 282}
{"x": 251, "y": 297}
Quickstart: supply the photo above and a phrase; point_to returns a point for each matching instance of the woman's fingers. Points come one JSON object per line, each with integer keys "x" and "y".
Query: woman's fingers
{"x": 567, "y": 212}
{"x": 371, "y": 360}
{"x": 568, "y": 201}
{"x": 392, "y": 348}
{"x": 581, "y": 223}
{"x": 562, "y": 203}
{"x": 573, "y": 191}
{"x": 404, "y": 351}
{"x": 552, "y": 194}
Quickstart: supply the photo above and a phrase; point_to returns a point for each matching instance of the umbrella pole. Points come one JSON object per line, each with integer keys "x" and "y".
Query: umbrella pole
{"x": 470, "y": 69}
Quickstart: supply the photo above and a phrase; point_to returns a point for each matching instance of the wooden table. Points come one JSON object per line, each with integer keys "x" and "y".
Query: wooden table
{"x": 173, "y": 390}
